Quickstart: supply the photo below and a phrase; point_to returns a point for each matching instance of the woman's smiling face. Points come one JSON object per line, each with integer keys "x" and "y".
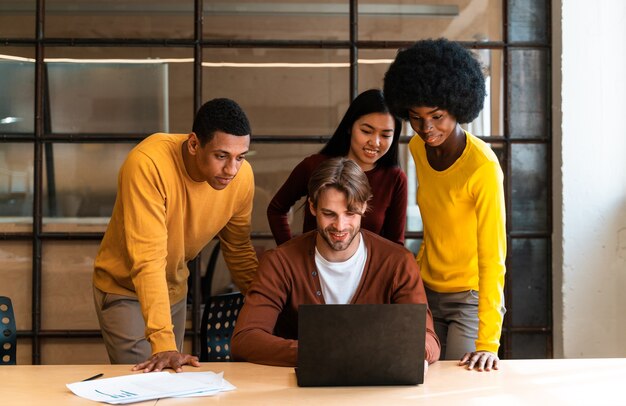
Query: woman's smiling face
{"x": 370, "y": 139}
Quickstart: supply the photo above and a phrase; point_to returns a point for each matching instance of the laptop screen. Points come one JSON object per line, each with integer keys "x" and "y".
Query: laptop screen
{"x": 361, "y": 344}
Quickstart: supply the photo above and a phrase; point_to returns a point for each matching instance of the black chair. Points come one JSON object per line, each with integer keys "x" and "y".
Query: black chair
{"x": 207, "y": 279}
{"x": 218, "y": 322}
{"x": 8, "y": 334}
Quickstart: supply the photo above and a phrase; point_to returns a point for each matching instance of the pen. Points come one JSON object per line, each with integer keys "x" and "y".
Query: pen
{"x": 91, "y": 378}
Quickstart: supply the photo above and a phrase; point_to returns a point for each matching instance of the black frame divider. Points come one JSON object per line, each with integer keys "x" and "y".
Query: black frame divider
{"x": 43, "y": 138}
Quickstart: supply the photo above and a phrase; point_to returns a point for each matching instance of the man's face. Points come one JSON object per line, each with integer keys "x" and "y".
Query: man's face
{"x": 219, "y": 160}
{"x": 337, "y": 226}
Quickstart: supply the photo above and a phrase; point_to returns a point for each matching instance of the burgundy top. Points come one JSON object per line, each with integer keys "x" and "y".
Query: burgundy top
{"x": 386, "y": 215}
{"x": 267, "y": 327}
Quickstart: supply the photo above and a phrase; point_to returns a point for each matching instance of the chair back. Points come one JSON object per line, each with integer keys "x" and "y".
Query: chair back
{"x": 218, "y": 322}
{"x": 8, "y": 334}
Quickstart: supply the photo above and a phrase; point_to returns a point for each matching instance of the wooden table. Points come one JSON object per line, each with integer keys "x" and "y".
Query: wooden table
{"x": 518, "y": 382}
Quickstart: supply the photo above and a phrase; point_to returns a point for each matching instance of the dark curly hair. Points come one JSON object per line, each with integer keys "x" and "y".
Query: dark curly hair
{"x": 436, "y": 73}
{"x": 368, "y": 102}
{"x": 220, "y": 115}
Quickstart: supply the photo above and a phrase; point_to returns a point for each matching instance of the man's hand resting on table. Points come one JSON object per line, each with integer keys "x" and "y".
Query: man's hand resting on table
{"x": 167, "y": 359}
{"x": 481, "y": 360}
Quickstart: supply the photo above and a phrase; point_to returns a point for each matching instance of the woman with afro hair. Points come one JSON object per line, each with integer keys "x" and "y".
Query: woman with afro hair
{"x": 436, "y": 85}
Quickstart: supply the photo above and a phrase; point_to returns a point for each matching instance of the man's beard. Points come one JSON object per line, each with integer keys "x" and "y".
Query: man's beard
{"x": 344, "y": 243}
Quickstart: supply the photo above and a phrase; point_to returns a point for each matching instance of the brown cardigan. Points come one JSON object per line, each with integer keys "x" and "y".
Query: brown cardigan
{"x": 267, "y": 327}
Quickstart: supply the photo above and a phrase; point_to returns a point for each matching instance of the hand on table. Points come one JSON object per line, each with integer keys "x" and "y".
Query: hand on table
{"x": 481, "y": 360}
{"x": 167, "y": 359}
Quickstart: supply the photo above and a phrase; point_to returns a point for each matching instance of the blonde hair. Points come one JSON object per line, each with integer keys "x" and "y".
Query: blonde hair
{"x": 344, "y": 175}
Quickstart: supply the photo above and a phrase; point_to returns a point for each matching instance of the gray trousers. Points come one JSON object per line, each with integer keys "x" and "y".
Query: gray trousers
{"x": 123, "y": 327}
{"x": 456, "y": 321}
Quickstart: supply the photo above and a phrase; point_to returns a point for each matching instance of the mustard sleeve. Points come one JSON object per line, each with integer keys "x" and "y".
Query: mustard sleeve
{"x": 145, "y": 233}
{"x": 487, "y": 189}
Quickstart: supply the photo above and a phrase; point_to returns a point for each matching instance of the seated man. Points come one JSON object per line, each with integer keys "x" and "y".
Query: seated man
{"x": 336, "y": 264}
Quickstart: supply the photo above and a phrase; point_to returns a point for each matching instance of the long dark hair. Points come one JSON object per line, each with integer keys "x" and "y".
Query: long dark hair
{"x": 370, "y": 101}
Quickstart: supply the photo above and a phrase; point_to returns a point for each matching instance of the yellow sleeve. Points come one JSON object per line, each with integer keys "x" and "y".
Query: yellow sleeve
{"x": 486, "y": 186}
{"x": 145, "y": 232}
{"x": 236, "y": 245}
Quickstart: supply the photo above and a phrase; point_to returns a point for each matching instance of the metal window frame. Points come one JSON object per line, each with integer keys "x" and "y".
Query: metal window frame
{"x": 42, "y": 137}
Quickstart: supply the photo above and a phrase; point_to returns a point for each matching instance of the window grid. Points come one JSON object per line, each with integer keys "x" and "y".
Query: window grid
{"x": 42, "y": 137}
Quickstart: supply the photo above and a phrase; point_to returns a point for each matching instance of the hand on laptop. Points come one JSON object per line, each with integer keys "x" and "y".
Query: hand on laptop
{"x": 481, "y": 360}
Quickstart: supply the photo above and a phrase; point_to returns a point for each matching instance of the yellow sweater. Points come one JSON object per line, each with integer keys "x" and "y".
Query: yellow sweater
{"x": 464, "y": 244}
{"x": 161, "y": 219}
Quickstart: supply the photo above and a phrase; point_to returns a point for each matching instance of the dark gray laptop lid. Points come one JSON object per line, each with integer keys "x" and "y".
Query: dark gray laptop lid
{"x": 361, "y": 344}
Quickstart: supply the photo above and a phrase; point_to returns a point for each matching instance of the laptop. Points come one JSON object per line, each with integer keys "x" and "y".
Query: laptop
{"x": 361, "y": 344}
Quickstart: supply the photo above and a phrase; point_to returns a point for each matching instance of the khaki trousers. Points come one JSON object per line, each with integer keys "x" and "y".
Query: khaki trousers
{"x": 123, "y": 327}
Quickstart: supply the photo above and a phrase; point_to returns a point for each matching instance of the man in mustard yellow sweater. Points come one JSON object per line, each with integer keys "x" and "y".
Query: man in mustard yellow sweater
{"x": 176, "y": 192}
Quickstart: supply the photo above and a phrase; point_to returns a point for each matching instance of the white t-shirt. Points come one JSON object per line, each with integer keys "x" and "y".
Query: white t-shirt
{"x": 340, "y": 280}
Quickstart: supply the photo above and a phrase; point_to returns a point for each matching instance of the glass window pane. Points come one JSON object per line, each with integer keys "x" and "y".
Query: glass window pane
{"x": 528, "y": 95}
{"x": 413, "y": 244}
{"x": 284, "y": 92}
{"x": 66, "y": 294}
{"x": 272, "y": 164}
{"x": 530, "y": 272}
{"x": 373, "y": 63}
{"x": 17, "y": 18}
{"x": 403, "y": 20}
{"x": 17, "y": 81}
{"x": 413, "y": 215}
{"x": 529, "y": 346}
{"x": 16, "y": 276}
{"x": 528, "y": 20}
{"x": 281, "y": 20}
{"x": 73, "y": 351}
{"x": 529, "y": 181}
{"x": 119, "y": 19}
{"x": 132, "y": 94}
{"x": 16, "y": 186}
{"x": 76, "y": 192}
{"x": 490, "y": 121}
{"x": 120, "y": 90}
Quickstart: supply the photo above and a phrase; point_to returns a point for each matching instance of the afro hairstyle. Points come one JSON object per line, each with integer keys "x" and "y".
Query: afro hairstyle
{"x": 435, "y": 73}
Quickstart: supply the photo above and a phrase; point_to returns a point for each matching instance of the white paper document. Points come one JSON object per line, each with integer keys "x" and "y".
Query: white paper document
{"x": 152, "y": 385}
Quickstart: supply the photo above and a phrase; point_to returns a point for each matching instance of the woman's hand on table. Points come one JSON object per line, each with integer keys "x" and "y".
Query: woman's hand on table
{"x": 480, "y": 360}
